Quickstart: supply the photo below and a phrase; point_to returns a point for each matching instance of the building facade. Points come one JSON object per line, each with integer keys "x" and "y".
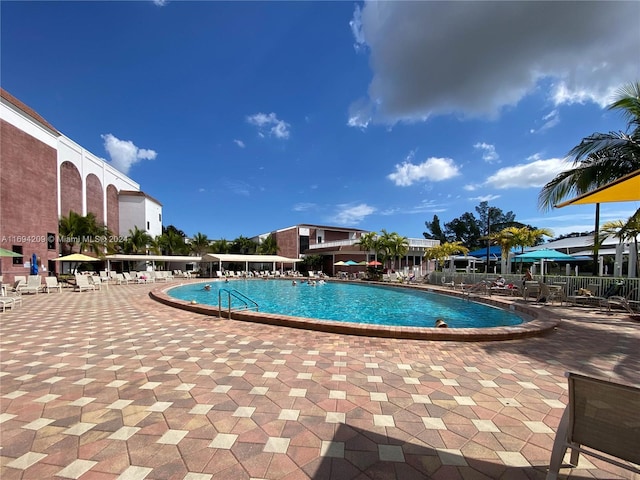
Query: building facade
{"x": 336, "y": 244}
{"x": 44, "y": 175}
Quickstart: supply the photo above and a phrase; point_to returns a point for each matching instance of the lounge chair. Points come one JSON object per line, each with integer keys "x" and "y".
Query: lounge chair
{"x": 96, "y": 281}
{"x": 531, "y": 289}
{"x": 82, "y": 283}
{"x": 627, "y": 302}
{"x": 127, "y": 277}
{"x": 51, "y": 283}
{"x": 120, "y": 279}
{"x": 10, "y": 301}
{"x": 33, "y": 285}
{"x": 602, "y": 420}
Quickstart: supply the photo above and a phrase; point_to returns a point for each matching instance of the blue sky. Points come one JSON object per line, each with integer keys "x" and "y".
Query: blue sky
{"x": 245, "y": 117}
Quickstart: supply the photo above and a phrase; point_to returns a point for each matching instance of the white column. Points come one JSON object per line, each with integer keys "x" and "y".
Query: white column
{"x": 633, "y": 260}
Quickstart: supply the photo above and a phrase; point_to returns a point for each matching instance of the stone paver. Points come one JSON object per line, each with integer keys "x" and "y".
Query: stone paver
{"x": 112, "y": 384}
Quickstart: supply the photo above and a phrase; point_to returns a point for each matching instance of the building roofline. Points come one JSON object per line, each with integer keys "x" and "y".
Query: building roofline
{"x": 27, "y": 110}
{"x": 134, "y": 193}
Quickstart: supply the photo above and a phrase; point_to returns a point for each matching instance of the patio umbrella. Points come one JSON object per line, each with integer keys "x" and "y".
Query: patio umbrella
{"x": 545, "y": 254}
{"x": 624, "y": 189}
{"x": 76, "y": 257}
{"x": 34, "y": 264}
{"x": 8, "y": 253}
{"x": 363, "y": 263}
{"x": 374, "y": 263}
{"x": 350, "y": 263}
{"x": 339, "y": 263}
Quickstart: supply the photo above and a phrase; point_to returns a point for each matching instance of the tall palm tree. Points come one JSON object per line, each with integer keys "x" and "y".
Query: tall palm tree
{"x": 625, "y": 231}
{"x": 200, "y": 244}
{"x": 137, "y": 241}
{"x": 441, "y": 252}
{"x": 369, "y": 241}
{"x": 221, "y": 246}
{"x": 392, "y": 245}
{"x": 268, "y": 246}
{"x": 600, "y": 158}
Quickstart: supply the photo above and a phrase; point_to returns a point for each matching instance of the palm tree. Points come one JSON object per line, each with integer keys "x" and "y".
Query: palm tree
{"x": 200, "y": 244}
{"x": 137, "y": 241}
{"x": 441, "y": 252}
{"x": 268, "y": 246}
{"x": 369, "y": 241}
{"x": 600, "y": 158}
{"x": 221, "y": 246}
{"x": 625, "y": 231}
{"x": 528, "y": 237}
{"x": 392, "y": 245}
{"x": 507, "y": 239}
{"x": 173, "y": 243}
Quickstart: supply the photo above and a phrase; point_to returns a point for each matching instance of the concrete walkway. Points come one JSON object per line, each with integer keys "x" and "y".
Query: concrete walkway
{"x": 113, "y": 385}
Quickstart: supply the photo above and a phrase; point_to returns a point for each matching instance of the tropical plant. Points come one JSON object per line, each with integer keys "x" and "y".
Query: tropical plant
{"x": 391, "y": 246}
{"x": 137, "y": 241}
{"x": 443, "y": 251}
{"x": 173, "y": 243}
{"x": 220, "y": 246}
{"x": 521, "y": 237}
{"x": 85, "y": 231}
{"x": 600, "y": 158}
{"x": 243, "y": 246}
{"x": 268, "y": 246}
{"x": 625, "y": 232}
{"x": 369, "y": 242}
{"x": 200, "y": 244}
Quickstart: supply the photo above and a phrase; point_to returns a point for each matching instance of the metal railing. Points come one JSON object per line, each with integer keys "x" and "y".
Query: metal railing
{"x": 571, "y": 284}
{"x": 413, "y": 243}
{"x": 246, "y": 302}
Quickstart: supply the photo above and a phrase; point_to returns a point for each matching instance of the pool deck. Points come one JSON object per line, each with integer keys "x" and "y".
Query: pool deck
{"x": 113, "y": 384}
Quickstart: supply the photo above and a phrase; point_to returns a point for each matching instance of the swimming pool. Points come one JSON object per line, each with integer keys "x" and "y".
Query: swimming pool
{"x": 353, "y": 303}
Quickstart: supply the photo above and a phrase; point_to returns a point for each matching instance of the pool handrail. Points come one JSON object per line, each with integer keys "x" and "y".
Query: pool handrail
{"x": 232, "y": 292}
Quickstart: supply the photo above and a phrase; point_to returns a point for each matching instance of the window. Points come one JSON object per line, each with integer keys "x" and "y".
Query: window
{"x": 148, "y": 226}
{"x": 160, "y": 217}
{"x": 319, "y": 239}
{"x": 17, "y": 249}
{"x": 51, "y": 241}
{"x": 304, "y": 243}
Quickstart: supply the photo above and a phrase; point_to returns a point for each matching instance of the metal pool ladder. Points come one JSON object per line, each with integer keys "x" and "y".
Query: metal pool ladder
{"x": 247, "y": 303}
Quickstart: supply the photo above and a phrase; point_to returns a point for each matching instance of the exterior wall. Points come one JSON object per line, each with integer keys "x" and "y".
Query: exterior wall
{"x": 287, "y": 241}
{"x": 153, "y": 217}
{"x": 94, "y": 198}
{"x": 28, "y": 197}
{"x": 70, "y": 190}
{"x": 131, "y": 214}
{"x": 113, "y": 210}
{"x": 44, "y": 175}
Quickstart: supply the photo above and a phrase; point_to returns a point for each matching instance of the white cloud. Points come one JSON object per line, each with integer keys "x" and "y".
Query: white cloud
{"x": 240, "y": 143}
{"x": 303, "y": 207}
{"x": 474, "y": 58}
{"x": 551, "y": 119}
{"x": 484, "y": 198}
{"x": 489, "y": 153}
{"x": 160, "y": 3}
{"x": 432, "y": 169}
{"x": 124, "y": 154}
{"x": 352, "y": 214}
{"x": 269, "y": 124}
{"x": 238, "y": 187}
{"x": 534, "y": 174}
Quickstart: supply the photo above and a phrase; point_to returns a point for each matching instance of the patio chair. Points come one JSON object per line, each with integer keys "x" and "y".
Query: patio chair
{"x": 82, "y": 283}
{"x": 120, "y": 279}
{"x": 33, "y": 285}
{"x": 96, "y": 281}
{"x": 627, "y": 302}
{"x": 602, "y": 420}
{"x": 51, "y": 283}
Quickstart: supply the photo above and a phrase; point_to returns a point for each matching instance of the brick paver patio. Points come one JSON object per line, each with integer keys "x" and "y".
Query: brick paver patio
{"x": 113, "y": 385}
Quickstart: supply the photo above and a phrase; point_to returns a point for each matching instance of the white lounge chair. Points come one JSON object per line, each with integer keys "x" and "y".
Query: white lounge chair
{"x": 82, "y": 283}
{"x": 33, "y": 285}
{"x": 51, "y": 283}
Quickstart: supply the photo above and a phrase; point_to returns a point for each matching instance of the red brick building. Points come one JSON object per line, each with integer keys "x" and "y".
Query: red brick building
{"x": 44, "y": 175}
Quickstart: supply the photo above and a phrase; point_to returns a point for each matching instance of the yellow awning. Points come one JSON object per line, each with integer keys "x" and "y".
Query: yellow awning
{"x": 624, "y": 189}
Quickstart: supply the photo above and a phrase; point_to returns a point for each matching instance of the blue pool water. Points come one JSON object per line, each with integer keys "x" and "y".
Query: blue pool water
{"x": 355, "y": 303}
